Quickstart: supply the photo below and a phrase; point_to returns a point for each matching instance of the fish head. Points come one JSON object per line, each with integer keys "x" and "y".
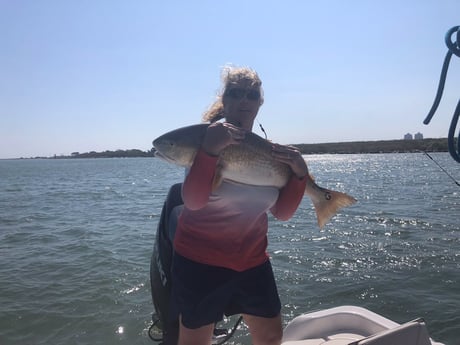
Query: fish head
{"x": 180, "y": 145}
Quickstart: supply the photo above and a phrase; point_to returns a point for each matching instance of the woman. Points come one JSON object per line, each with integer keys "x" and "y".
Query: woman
{"x": 220, "y": 263}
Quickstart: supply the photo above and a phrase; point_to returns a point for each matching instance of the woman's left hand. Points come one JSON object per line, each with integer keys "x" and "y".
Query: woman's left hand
{"x": 291, "y": 156}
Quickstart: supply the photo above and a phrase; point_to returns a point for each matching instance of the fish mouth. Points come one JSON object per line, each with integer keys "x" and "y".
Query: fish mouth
{"x": 160, "y": 155}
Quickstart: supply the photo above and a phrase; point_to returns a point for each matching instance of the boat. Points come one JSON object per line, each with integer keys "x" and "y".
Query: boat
{"x": 342, "y": 325}
{"x": 353, "y": 325}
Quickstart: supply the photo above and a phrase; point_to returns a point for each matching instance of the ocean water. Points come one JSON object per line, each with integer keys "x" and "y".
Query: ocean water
{"x": 76, "y": 238}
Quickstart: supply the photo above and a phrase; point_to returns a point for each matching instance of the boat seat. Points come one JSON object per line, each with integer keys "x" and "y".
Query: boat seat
{"x": 336, "y": 339}
{"x": 410, "y": 333}
{"x": 317, "y": 341}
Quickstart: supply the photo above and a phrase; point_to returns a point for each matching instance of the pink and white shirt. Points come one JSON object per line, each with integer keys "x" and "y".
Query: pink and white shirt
{"x": 228, "y": 227}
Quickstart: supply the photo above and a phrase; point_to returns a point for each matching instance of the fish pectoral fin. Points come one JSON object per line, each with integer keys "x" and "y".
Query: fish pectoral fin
{"x": 217, "y": 180}
{"x": 328, "y": 203}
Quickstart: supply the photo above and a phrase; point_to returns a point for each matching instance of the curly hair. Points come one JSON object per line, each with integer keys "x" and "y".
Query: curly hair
{"x": 231, "y": 75}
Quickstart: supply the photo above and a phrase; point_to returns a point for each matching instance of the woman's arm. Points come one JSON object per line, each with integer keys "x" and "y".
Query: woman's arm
{"x": 198, "y": 183}
{"x": 289, "y": 198}
{"x": 291, "y": 194}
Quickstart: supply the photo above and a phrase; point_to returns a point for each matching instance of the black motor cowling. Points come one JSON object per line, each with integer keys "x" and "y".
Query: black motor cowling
{"x": 160, "y": 275}
{"x": 160, "y": 266}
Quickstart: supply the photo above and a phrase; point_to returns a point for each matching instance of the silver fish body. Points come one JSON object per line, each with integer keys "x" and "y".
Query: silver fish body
{"x": 249, "y": 162}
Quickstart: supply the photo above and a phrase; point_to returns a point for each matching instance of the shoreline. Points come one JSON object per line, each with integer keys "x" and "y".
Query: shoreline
{"x": 352, "y": 147}
{"x": 378, "y": 146}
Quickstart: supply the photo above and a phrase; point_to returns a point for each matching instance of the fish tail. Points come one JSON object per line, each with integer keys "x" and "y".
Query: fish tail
{"x": 328, "y": 202}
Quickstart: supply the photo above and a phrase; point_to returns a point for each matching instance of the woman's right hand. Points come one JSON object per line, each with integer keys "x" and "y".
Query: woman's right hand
{"x": 219, "y": 135}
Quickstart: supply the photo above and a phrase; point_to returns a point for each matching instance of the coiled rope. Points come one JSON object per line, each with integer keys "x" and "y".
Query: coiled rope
{"x": 453, "y": 48}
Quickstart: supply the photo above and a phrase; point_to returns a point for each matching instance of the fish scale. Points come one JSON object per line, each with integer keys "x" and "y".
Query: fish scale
{"x": 252, "y": 164}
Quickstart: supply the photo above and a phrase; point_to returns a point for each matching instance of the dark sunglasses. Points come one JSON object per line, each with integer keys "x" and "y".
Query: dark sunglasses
{"x": 238, "y": 93}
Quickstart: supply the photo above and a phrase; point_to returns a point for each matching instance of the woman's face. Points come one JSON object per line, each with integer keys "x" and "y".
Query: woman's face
{"x": 241, "y": 103}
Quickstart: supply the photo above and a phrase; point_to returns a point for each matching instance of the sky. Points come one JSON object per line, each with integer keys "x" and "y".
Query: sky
{"x": 96, "y": 75}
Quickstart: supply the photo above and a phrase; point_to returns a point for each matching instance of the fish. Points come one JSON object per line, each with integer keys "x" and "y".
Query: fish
{"x": 249, "y": 162}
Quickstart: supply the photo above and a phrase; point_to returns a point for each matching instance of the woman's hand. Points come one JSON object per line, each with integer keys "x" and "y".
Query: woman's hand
{"x": 291, "y": 156}
{"x": 219, "y": 135}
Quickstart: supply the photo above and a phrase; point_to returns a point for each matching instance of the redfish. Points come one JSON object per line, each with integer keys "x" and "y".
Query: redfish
{"x": 249, "y": 162}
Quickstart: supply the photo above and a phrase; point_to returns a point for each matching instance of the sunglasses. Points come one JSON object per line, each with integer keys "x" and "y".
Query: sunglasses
{"x": 238, "y": 93}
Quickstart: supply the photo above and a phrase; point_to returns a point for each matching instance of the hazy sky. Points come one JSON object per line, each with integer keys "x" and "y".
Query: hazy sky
{"x": 96, "y": 75}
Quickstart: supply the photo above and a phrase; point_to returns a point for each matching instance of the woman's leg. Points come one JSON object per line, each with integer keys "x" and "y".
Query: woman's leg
{"x": 200, "y": 294}
{"x": 197, "y": 336}
{"x": 264, "y": 331}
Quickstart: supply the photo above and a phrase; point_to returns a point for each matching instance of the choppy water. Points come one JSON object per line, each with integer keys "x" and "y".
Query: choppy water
{"x": 76, "y": 238}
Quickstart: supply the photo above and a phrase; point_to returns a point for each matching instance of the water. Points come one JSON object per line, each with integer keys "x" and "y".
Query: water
{"x": 76, "y": 238}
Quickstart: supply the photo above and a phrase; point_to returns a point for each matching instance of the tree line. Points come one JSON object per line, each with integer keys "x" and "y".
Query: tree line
{"x": 112, "y": 154}
{"x": 379, "y": 146}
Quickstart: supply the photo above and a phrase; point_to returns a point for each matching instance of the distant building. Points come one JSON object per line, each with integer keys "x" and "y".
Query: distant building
{"x": 408, "y": 136}
{"x": 418, "y": 136}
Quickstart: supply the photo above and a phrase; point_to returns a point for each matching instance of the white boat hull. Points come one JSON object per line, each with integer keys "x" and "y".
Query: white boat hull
{"x": 349, "y": 324}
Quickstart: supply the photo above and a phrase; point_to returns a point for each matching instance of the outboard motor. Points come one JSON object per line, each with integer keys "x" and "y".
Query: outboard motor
{"x": 165, "y": 329}
{"x": 160, "y": 268}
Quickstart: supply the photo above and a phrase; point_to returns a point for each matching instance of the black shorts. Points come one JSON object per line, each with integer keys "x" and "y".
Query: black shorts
{"x": 202, "y": 294}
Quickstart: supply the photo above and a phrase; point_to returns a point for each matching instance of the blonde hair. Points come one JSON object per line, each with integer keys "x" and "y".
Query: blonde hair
{"x": 231, "y": 75}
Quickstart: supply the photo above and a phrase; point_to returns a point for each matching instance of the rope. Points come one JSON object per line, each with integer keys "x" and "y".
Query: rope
{"x": 444, "y": 170}
{"x": 262, "y": 129}
{"x": 453, "y": 49}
